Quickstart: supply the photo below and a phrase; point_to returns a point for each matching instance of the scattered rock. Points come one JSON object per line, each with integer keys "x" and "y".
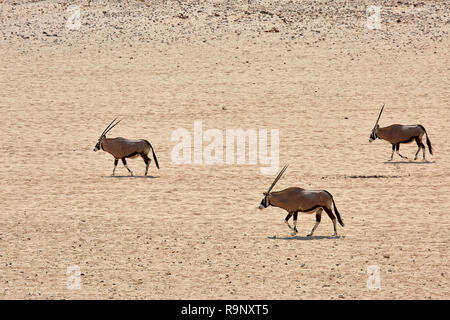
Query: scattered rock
{"x": 182, "y": 16}
{"x": 266, "y": 12}
{"x": 273, "y": 29}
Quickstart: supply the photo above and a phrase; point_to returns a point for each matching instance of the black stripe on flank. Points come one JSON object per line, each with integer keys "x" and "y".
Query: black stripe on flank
{"x": 132, "y": 155}
{"x": 311, "y": 209}
{"x": 409, "y": 140}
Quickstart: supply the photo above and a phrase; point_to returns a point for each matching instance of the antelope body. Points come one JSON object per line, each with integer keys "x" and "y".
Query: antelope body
{"x": 122, "y": 148}
{"x": 397, "y": 134}
{"x": 295, "y": 200}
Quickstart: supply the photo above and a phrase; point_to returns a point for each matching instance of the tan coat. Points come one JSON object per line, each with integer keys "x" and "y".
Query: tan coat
{"x": 125, "y": 148}
{"x": 298, "y": 199}
{"x": 398, "y": 133}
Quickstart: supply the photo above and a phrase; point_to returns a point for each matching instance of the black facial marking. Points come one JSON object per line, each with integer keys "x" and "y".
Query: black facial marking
{"x": 264, "y": 202}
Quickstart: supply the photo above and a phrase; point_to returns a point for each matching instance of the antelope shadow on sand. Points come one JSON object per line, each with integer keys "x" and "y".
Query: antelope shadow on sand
{"x": 409, "y": 162}
{"x": 305, "y": 237}
{"x": 132, "y": 177}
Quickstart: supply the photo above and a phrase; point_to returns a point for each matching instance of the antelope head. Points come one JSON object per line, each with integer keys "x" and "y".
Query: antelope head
{"x": 103, "y": 135}
{"x": 373, "y": 135}
{"x": 265, "y": 202}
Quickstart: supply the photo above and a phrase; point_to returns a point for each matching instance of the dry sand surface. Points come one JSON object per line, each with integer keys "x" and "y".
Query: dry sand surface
{"x": 311, "y": 69}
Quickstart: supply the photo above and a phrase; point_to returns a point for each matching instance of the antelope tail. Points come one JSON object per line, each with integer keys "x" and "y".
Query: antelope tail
{"x": 154, "y": 158}
{"x": 429, "y": 144}
{"x": 337, "y": 213}
{"x": 335, "y": 209}
{"x": 428, "y": 141}
{"x": 154, "y": 155}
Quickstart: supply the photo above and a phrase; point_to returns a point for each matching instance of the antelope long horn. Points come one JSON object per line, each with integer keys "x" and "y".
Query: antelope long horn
{"x": 379, "y": 116}
{"x": 278, "y": 177}
{"x": 110, "y": 128}
{"x": 104, "y": 131}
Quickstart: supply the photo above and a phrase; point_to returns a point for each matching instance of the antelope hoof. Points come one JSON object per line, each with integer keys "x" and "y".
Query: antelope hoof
{"x": 335, "y": 234}
{"x": 309, "y": 235}
{"x": 293, "y": 233}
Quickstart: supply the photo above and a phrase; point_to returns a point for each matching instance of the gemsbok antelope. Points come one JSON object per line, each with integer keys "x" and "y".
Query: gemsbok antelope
{"x": 295, "y": 200}
{"x": 121, "y": 148}
{"x": 397, "y": 133}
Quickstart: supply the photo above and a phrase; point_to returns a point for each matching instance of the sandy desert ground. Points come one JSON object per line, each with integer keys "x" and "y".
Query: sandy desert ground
{"x": 311, "y": 69}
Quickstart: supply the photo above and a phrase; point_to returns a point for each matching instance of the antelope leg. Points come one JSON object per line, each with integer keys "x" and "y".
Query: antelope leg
{"x": 287, "y": 219}
{"x": 147, "y": 162}
{"x": 419, "y": 146}
{"x": 392, "y": 154}
{"x": 415, "y": 157}
{"x": 126, "y": 166}
{"x": 398, "y": 148}
{"x": 401, "y": 155}
{"x": 115, "y": 165}
{"x": 333, "y": 219}
{"x": 295, "y": 221}
{"x": 318, "y": 218}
